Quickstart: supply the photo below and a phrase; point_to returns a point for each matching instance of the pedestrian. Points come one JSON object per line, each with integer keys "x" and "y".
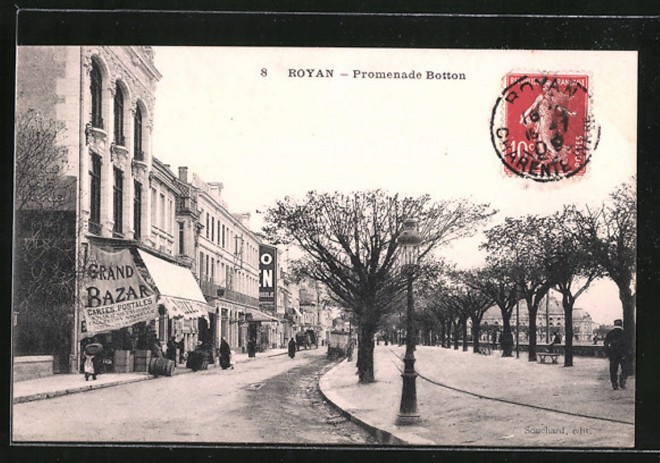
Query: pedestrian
{"x": 182, "y": 350}
{"x": 225, "y": 354}
{"x": 556, "y": 340}
{"x": 292, "y": 347}
{"x": 494, "y": 340}
{"x": 156, "y": 349}
{"x": 252, "y": 347}
{"x": 171, "y": 349}
{"x": 92, "y": 359}
{"x": 615, "y": 350}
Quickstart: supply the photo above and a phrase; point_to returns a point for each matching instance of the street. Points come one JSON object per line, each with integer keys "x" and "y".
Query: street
{"x": 266, "y": 400}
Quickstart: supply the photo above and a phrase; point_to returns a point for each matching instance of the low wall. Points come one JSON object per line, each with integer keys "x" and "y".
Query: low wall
{"x": 581, "y": 350}
{"x": 33, "y": 366}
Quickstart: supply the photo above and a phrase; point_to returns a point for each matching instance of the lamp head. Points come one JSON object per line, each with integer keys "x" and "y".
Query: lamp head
{"x": 409, "y": 240}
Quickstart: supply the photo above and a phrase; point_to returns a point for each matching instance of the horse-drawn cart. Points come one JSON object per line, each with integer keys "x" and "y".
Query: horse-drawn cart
{"x": 338, "y": 344}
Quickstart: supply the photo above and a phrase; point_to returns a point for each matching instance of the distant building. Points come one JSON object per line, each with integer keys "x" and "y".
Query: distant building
{"x": 549, "y": 320}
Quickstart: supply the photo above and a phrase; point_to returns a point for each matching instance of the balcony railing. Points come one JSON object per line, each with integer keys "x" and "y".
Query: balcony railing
{"x": 242, "y": 298}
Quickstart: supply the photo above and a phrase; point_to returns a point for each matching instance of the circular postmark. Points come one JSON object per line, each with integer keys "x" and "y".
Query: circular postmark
{"x": 542, "y": 127}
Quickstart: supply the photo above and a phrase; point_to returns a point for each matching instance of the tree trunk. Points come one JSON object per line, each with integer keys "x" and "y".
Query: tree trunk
{"x": 533, "y": 311}
{"x": 506, "y": 339}
{"x": 568, "y": 321}
{"x": 628, "y": 303}
{"x": 448, "y": 346}
{"x": 475, "y": 336}
{"x": 366, "y": 355}
{"x": 443, "y": 332}
{"x": 465, "y": 340}
{"x": 455, "y": 331}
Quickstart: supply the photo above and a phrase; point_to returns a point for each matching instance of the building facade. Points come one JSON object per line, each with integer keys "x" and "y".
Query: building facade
{"x": 103, "y": 98}
{"x": 226, "y": 264}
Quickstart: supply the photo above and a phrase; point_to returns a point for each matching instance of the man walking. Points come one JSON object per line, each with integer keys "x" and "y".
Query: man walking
{"x": 615, "y": 351}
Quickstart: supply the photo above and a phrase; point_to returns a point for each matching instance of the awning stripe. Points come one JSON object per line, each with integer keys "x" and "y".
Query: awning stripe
{"x": 259, "y": 316}
{"x": 178, "y": 307}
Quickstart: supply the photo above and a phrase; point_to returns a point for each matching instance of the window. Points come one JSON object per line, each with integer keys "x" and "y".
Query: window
{"x": 137, "y": 210}
{"x": 207, "y": 225}
{"x": 95, "y": 195}
{"x": 117, "y": 200}
{"x": 223, "y": 236}
{"x": 119, "y": 116}
{"x": 212, "y": 228}
{"x": 96, "y": 87}
{"x": 212, "y": 268}
{"x": 154, "y": 207}
{"x": 201, "y": 265}
{"x": 170, "y": 215}
{"x": 162, "y": 211}
{"x": 138, "y": 155}
{"x": 181, "y": 238}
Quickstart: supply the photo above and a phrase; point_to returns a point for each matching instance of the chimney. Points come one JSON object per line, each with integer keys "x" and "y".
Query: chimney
{"x": 183, "y": 174}
{"x": 216, "y": 190}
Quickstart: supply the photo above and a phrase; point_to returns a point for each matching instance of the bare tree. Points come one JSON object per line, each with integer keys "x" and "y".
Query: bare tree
{"x": 44, "y": 238}
{"x": 514, "y": 246}
{"x": 475, "y": 301}
{"x": 350, "y": 241}
{"x": 609, "y": 235}
{"x": 569, "y": 265}
{"x": 496, "y": 283}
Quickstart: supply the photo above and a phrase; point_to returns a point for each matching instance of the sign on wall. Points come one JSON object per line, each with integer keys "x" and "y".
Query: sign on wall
{"x": 267, "y": 276}
{"x": 114, "y": 293}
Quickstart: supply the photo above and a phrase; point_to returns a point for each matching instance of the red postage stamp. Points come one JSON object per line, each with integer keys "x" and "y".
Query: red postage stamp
{"x": 542, "y": 127}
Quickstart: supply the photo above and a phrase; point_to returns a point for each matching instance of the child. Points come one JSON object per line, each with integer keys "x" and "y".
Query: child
{"x": 89, "y": 368}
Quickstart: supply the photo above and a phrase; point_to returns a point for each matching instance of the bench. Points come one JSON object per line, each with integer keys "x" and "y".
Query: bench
{"x": 543, "y": 355}
{"x": 484, "y": 350}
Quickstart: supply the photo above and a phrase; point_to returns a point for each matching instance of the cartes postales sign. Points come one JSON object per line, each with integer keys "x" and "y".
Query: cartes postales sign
{"x": 542, "y": 128}
{"x": 115, "y": 294}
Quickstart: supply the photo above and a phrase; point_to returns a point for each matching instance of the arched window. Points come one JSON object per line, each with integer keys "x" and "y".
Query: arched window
{"x": 119, "y": 116}
{"x": 96, "y": 88}
{"x": 138, "y": 154}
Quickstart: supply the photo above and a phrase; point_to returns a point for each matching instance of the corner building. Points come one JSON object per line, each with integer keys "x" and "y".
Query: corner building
{"x": 125, "y": 200}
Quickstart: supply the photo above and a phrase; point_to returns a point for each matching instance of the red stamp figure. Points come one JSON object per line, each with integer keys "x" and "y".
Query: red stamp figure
{"x": 542, "y": 128}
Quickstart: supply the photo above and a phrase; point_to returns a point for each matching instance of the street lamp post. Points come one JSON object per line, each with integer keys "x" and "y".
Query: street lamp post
{"x": 517, "y": 329}
{"x": 409, "y": 241}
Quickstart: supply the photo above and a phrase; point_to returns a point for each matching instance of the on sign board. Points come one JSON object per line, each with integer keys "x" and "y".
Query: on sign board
{"x": 267, "y": 275}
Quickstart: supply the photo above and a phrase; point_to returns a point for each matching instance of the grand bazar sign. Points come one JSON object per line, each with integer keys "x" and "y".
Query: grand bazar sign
{"x": 115, "y": 294}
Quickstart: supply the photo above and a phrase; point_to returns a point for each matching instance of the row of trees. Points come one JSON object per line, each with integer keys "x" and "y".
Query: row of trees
{"x": 350, "y": 245}
{"x": 528, "y": 256}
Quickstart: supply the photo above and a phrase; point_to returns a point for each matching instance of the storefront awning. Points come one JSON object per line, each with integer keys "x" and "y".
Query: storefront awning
{"x": 258, "y": 316}
{"x": 179, "y": 292}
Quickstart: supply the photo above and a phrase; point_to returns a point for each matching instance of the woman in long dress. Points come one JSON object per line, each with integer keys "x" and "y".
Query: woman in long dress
{"x": 292, "y": 347}
{"x": 225, "y": 354}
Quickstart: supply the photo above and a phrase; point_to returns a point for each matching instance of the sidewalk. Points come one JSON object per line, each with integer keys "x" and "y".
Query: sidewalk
{"x": 587, "y": 412}
{"x": 59, "y": 385}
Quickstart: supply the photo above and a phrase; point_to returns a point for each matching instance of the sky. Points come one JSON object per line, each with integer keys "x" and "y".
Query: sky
{"x": 237, "y": 115}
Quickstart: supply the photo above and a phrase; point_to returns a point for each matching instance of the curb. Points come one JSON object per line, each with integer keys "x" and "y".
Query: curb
{"x": 384, "y": 437}
{"x": 91, "y": 387}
